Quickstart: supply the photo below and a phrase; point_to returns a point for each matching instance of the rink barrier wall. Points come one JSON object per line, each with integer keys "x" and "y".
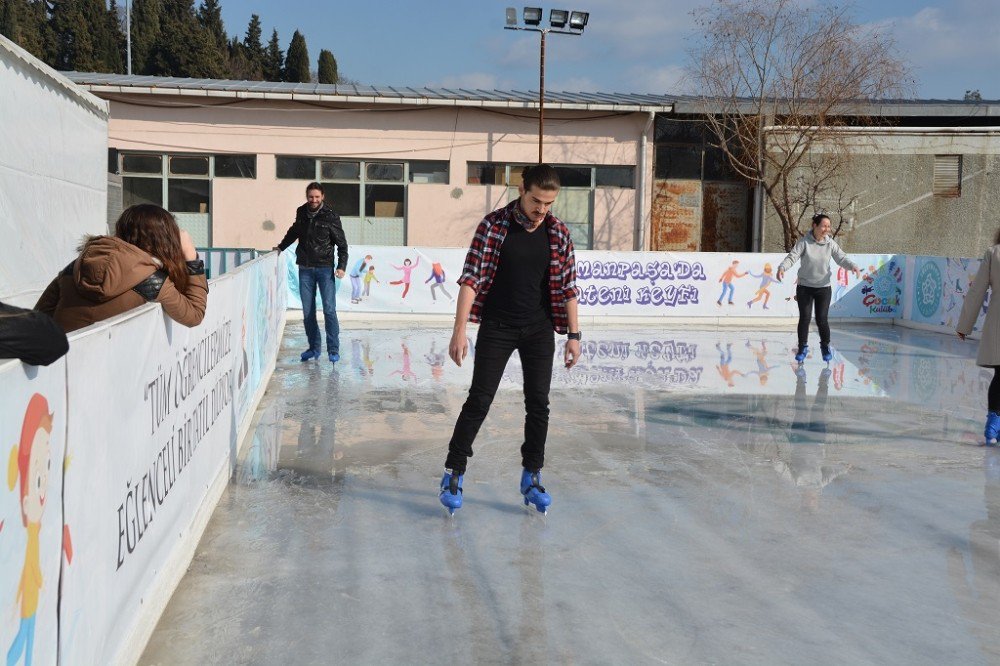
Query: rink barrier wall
{"x": 649, "y": 288}
{"x": 139, "y": 426}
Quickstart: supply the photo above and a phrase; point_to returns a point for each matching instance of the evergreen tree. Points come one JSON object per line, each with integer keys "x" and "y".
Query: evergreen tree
{"x": 210, "y": 18}
{"x": 297, "y": 61}
{"x": 38, "y": 38}
{"x": 147, "y": 17}
{"x": 253, "y": 49}
{"x": 274, "y": 60}
{"x": 10, "y": 20}
{"x": 185, "y": 48}
{"x": 76, "y": 36}
{"x": 111, "y": 45}
{"x": 240, "y": 67}
{"x": 327, "y": 67}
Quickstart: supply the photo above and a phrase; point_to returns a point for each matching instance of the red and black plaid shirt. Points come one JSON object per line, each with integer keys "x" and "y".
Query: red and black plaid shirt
{"x": 483, "y": 259}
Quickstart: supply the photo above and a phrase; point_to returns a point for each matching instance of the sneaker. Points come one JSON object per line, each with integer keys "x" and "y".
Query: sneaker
{"x": 334, "y": 357}
{"x": 309, "y": 355}
{"x": 800, "y": 356}
{"x": 451, "y": 491}
{"x": 992, "y": 427}
{"x": 827, "y": 354}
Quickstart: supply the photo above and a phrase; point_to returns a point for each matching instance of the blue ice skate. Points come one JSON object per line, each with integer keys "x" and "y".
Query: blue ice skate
{"x": 534, "y": 493}
{"x": 992, "y": 428}
{"x": 309, "y": 355}
{"x": 451, "y": 491}
{"x": 802, "y": 353}
{"x": 827, "y": 353}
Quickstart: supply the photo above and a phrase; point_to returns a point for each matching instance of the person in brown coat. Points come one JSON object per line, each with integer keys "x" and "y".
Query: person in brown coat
{"x": 988, "y": 278}
{"x": 149, "y": 259}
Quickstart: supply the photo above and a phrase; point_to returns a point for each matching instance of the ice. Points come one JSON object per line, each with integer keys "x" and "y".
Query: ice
{"x": 710, "y": 505}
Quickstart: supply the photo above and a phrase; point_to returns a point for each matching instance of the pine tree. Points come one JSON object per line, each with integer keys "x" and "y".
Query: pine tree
{"x": 186, "y": 48}
{"x": 210, "y": 18}
{"x": 76, "y": 35}
{"x": 327, "y": 67}
{"x": 147, "y": 17}
{"x": 297, "y": 61}
{"x": 240, "y": 67}
{"x": 274, "y": 60}
{"x": 38, "y": 38}
{"x": 10, "y": 20}
{"x": 253, "y": 49}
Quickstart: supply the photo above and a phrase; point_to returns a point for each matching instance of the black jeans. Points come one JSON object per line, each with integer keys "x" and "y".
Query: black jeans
{"x": 806, "y": 297}
{"x": 495, "y": 343}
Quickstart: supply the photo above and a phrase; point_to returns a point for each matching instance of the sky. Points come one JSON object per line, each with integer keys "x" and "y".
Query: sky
{"x": 629, "y": 46}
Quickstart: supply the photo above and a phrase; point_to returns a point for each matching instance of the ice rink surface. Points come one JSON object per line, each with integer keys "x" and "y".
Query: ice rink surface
{"x": 710, "y": 506}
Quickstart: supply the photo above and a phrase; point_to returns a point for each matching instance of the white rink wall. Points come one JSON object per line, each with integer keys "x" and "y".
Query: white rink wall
{"x": 53, "y": 181}
{"x": 146, "y": 421}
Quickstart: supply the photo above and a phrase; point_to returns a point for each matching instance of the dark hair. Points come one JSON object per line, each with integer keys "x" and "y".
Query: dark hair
{"x": 154, "y": 230}
{"x": 542, "y": 176}
{"x": 314, "y": 186}
{"x": 819, "y": 217}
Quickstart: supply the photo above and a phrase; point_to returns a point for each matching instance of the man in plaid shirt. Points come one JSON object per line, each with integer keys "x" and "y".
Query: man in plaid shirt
{"x": 519, "y": 283}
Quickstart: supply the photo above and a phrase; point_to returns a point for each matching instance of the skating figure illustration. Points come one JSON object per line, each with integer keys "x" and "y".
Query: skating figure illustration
{"x": 726, "y": 279}
{"x": 407, "y": 269}
{"x": 725, "y": 359}
{"x": 368, "y": 279}
{"x": 438, "y": 276}
{"x": 358, "y": 274}
{"x": 764, "y": 290}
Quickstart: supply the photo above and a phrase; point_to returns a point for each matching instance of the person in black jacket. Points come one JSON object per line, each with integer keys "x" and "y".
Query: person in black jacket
{"x": 31, "y": 336}
{"x": 319, "y": 231}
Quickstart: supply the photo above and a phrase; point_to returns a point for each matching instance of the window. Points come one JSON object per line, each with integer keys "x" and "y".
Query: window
{"x": 235, "y": 166}
{"x": 188, "y": 166}
{"x": 486, "y": 173}
{"x": 429, "y": 172}
{"x": 298, "y": 168}
{"x": 340, "y": 170}
{"x": 947, "y": 176}
{"x": 678, "y": 162}
{"x": 621, "y": 177}
{"x": 141, "y": 191}
{"x": 343, "y": 198}
{"x": 384, "y": 200}
{"x": 187, "y": 195}
{"x": 385, "y": 172}
{"x": 134, "y": 163}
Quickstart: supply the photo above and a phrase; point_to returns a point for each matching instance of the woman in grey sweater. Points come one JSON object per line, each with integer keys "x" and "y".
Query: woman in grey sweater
{"x": 815, "y": 249}
{"x": 987, "y": 279}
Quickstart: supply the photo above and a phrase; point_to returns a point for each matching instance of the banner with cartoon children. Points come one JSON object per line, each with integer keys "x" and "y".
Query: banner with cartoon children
{"x": 144, "y": 453}
{"x": 424, "y": 280}
{"x": 35, "y": 541}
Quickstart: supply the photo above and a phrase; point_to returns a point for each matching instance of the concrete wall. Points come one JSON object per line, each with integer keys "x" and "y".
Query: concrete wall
{"x": 895, "y": 210}
{"x": 254, "y": 213}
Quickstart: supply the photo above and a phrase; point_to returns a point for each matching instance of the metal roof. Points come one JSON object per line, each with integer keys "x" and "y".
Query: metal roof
{"x": 165, "y": 85}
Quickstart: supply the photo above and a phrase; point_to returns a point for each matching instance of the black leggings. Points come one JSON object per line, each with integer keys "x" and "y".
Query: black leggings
{"x": 993, "y": 396}
{"x": 806, "y": 297}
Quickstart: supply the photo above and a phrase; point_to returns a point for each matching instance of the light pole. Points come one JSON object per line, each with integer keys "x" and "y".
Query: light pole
{"x": 558, "y": 20}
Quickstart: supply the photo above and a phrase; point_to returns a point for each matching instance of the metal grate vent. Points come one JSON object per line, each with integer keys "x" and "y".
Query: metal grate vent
{"x": 947, "y": 175}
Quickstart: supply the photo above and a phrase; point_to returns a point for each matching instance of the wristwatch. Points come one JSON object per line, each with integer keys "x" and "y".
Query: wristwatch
{"x": 574, "y": 336}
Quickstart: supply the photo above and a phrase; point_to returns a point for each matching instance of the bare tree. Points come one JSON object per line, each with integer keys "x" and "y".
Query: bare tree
{"x": 776, "y": 78}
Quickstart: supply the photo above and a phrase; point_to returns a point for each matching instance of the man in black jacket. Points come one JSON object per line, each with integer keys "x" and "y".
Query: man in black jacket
{"x": 29, "y": 335}
{"x": 319, "y": 231}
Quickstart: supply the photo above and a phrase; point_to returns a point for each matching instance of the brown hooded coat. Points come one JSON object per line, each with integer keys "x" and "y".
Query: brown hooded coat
{"x": 100, "y": 284}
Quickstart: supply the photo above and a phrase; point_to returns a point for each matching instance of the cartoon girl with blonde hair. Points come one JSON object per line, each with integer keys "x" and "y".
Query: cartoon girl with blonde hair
{"x": 30, "y": 462}
{"x": 764, "y": 290}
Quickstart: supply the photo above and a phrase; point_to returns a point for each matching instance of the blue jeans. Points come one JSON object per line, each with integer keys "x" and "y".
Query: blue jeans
{"x": 726, "y": 286}
{"x": 309, "y": 280}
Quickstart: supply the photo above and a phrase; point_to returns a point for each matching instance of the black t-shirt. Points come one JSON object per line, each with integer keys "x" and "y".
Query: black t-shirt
{"x": 519, "y": 295}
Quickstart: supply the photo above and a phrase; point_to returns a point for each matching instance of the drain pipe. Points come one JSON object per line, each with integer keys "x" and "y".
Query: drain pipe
{"x": 645, "y": 186}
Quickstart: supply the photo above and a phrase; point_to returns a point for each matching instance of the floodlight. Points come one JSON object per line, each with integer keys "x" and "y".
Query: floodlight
{"x": 532, "y": 15}
{"x": 558, "y": 17}
{"x": 511, "y": 16}
{"x": 578, "y": 20}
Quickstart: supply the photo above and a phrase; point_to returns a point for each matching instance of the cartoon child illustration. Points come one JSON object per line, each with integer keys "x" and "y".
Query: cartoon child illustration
{"x": 763, "y": 369}
{"x": 407, "y": 269}
{"x": 437, "y": 274}
{"x": 355, "y": 276}
{"x": 842, "y": 282}
{"x": 727, "y": 281}
{"x": 369, "y": 276}
{"x": 436, "y": 360}
{"x": 30, "y": 462}
{"x": 764, "y": 290}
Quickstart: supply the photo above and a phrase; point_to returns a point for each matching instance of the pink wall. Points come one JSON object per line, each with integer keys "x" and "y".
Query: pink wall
{"x": 255, "y": 213}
